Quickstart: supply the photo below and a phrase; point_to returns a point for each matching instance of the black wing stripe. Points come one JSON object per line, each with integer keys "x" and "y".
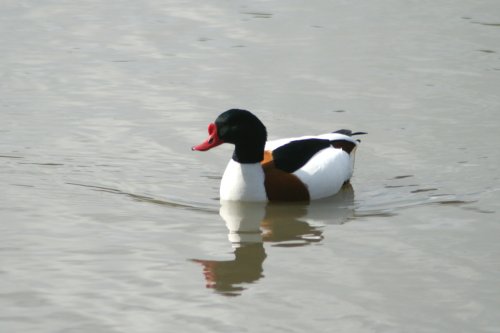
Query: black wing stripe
{"x": 295, "y": 154}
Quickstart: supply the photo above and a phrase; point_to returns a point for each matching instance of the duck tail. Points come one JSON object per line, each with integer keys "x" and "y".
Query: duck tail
{"x": 349, "y": 132}
{"x": 346, "y": 145}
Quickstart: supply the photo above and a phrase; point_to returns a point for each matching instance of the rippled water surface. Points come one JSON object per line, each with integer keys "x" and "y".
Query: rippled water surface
{"x": 109, "y": 223}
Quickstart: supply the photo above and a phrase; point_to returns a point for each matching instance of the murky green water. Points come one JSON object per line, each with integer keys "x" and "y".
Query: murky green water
{"x": 109, "y": 223}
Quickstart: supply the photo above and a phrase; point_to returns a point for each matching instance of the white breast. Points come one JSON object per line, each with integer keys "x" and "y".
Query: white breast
{"x": 243, "y": 182}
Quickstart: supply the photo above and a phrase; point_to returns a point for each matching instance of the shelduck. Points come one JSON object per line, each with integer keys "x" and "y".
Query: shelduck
{"x": 294, "y": 169}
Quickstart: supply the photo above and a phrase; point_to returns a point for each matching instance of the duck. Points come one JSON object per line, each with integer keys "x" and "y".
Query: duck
{"x": 298, "y": 169}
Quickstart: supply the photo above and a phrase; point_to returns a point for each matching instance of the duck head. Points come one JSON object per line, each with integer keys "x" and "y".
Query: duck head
{"x": 241, "y": 128}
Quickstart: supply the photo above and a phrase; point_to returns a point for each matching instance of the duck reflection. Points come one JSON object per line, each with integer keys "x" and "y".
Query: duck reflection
{"x": 281, "y": 224}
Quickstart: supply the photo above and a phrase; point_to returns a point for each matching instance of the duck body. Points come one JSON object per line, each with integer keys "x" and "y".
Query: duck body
{"x": 294, "y": 169}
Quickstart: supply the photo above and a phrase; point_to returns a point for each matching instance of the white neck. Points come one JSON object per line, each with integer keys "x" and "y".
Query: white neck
{"x": 243, "y": 182}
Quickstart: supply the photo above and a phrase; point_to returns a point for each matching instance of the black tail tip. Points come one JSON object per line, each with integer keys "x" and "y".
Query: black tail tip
{"x": 349, "y": 132}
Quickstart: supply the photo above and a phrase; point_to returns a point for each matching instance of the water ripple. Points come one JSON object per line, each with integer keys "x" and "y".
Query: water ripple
{"x": 143, "y": 198}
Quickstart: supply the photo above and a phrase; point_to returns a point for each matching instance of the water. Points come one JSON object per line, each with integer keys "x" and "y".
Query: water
{"x": 109, "y": 223}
